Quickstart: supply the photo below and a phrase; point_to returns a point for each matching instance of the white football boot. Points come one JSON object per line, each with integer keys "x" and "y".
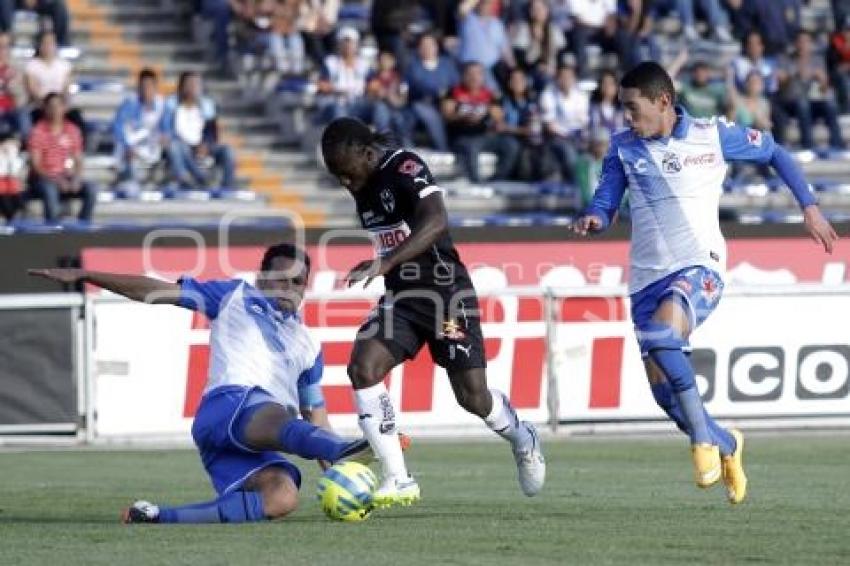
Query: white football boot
{"x": 397, "y": 491}
{"x": 141, "y": 512}
{"x": 530, "y": 463}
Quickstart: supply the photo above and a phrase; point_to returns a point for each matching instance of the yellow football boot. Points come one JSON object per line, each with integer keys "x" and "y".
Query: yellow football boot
{"x": 707, "y": 469}
{"x": 733, "y": 471}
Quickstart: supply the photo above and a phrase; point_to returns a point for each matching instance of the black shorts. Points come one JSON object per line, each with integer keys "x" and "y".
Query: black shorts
{"x": 448, "y": 322}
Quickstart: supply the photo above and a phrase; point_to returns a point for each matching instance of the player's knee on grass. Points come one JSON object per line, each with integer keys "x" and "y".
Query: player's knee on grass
{"x": 279, "y": 492}
{"x": 471, "y": 393}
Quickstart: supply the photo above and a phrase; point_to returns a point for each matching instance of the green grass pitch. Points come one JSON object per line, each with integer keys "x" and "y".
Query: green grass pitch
{"x": 607, "y": 501}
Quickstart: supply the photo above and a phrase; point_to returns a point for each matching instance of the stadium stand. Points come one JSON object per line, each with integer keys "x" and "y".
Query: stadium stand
{"x": 270, "y": 122}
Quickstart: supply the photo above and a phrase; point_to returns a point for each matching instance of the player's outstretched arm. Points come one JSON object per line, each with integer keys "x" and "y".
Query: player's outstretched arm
{"x": 135, "y": 287}
{"x": 607, "y": 197}
{"x": 746, "y": 144}
{"x": 430, "y": 222}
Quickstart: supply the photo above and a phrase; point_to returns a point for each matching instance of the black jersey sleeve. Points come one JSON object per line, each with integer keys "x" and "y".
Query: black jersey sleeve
{"x": 413, "y": 178}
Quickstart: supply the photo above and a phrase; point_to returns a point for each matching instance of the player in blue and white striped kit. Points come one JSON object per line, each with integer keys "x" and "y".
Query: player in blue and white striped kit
{"x": 264, "y": 371}
{"x": 674, "y": 166}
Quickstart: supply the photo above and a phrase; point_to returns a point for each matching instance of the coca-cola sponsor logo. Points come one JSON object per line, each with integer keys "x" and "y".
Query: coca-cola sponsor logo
{"x": 700, "y": 160}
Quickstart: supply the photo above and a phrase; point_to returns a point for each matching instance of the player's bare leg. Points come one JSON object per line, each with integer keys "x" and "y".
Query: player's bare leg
{"x": 471, "y": 392}
{"x": 714, "y": 449}
{"x": 370, "y": 362}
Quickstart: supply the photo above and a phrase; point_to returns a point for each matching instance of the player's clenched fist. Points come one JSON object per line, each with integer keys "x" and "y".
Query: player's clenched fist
{"x": 586, "y": 224}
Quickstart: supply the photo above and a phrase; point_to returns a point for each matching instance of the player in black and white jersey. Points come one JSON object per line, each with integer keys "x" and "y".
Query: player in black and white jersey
{"x": 429, "y": 300}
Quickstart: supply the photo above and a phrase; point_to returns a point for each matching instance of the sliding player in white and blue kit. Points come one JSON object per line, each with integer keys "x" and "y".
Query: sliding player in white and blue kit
{"x": 264, "y": 371}
{"x": 674, "y": 166}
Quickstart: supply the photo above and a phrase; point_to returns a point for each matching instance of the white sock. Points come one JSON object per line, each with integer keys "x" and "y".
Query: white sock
{"x": 503, "y": 420}
{"x": 376, "y": 418}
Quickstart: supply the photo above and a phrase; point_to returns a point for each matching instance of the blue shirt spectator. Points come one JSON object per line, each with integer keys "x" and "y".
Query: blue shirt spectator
{"x": 778, "y": 21}
{"x": 753, "y": 59}
{"x": 483, "y": 38}
{"x": 430, "y": 75}
{"x": 139, "y": 128}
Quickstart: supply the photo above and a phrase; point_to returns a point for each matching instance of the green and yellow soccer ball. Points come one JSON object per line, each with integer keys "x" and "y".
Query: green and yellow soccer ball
{"x": 345, "y": 491}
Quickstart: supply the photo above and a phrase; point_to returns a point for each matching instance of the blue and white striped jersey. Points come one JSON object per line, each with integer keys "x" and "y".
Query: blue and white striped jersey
{"x": 674, "y": 187}
{"x": 253, "y": 344}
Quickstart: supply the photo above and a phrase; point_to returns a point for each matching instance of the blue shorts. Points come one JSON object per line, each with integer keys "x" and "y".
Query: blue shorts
{"x": 698, "y": 288}
{"x": 229, "y": 463}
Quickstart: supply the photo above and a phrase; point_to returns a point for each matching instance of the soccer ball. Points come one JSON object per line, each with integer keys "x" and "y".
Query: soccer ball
{"x": 345, "y": 491}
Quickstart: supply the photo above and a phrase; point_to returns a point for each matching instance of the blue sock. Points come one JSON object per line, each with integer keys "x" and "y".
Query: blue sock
{"x": 311, "y": 442}
{"x": 679, "y": 373}
{"x": 663, "y": 394}
{"x": 236, "y": 507}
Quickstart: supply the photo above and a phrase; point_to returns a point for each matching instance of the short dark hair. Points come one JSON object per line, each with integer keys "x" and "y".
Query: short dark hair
{"x": 284, "y": 249}
{"x": 343, "y": 136}
{"x": 651, "y": 80}
{"x": 147, "y": 73}
{"x": 50, "y": 96}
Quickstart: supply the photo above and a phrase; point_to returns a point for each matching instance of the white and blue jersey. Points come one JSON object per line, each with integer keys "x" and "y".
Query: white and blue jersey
{"x": 253, "y": 344}
{"x": 675, "y": 185}
{"x": 257, "y": 355}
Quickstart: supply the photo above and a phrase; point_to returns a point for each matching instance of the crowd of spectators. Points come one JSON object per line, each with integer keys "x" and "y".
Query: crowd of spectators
{"x": 535, "y": 81}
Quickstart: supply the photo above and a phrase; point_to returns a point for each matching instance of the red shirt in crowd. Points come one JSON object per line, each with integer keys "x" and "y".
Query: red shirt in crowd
{"x": 7, "y": 77}
{"x": 475, "y": 104}
{"x": 55, "y": 148}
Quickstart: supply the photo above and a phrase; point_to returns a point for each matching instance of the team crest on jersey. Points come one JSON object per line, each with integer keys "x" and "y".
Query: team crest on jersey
{"x": 452, "y": 331}
{"x": 410, "y": 167}
{"x": 388, "y": 200}
{"x": 754, "y": 137}
{"x": 670, "y": 163}
{"x": 709, "y": 289}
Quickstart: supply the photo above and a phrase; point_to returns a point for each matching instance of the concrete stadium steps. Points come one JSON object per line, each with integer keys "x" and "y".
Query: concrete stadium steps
{"x": 117, "y": 39}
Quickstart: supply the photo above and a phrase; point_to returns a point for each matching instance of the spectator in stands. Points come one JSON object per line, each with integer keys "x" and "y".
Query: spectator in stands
{"x": 587, "y": 25}
{"x": 253, "y": 31}
{"x": 484, "y": 40}
{"x": 391, "y": 24}
{"x": 342, "y": 85}
{"x": 566, "y": 114}
{"x": 387, "y": 88}
{"x": 430, "y": 76}
{"x": 286, "y": 44}
{"x": 840, "y": 13}
{"x": 14, "y": 117}
{"x": 192, "y": 130}
{"x": 752, "y": 108}
{"x": 522, "y": 121}
{"x": 317, "y": 22}
{"x": 702, "y": 96}
{"x": 589, "y": 164}
{"x": 606, "y": 112}
{"x": 806, "y": 94}
{"x": 220, "y": 13}
{"x": 56, "y": 162}
{"x": 778, "y": 21}
{"x": 139, "y": 130}
{"x": 714, "y": 14}
{"x": 838, "y": 63}
{"x": 537, "y": 41}
{"x": 48, "y": 73}
{"x": 629, "y": 35}
{"x": 753, "y": 59}
{"x": 55, "y": 10}
{"x": 474, "y": 118}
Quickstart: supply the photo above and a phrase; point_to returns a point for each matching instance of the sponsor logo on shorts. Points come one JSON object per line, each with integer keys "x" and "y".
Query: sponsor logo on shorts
{"x": 754, "y": 137}
{"x": 710, "y": 288}
{"x": 452, "y": 331}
